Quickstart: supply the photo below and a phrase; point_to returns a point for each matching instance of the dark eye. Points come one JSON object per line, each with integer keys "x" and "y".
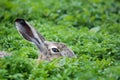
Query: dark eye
{"x": 55, "y": 50}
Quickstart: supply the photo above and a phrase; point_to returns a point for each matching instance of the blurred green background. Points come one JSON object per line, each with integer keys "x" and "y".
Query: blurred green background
{"x": 91, "y": 28}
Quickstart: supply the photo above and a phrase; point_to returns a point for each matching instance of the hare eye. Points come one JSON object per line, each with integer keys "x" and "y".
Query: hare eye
{"x": 55, "y": 50}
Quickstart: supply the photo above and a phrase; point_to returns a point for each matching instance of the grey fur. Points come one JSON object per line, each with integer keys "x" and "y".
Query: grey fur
{"x": 3, "y": 54}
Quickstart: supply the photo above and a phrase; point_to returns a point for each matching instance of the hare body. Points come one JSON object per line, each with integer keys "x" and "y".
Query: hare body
{"x": 3, "y": 54}
{"x": 48, "y": 50}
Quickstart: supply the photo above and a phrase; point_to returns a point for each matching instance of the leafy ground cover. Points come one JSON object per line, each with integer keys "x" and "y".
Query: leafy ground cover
{"x": 91, "y": 28}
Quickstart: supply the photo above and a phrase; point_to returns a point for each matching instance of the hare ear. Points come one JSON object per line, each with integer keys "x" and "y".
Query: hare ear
{"x": 30, "y": 34}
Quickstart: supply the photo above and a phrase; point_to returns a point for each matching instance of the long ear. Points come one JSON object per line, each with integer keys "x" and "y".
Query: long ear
{"x": 30, "y": 34}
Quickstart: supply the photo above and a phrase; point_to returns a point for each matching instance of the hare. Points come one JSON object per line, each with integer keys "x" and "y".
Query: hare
{"x": 3, "y": 54}
{"x": 48, "y": 50}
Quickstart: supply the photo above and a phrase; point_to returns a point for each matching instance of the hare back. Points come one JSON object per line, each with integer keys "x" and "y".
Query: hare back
{"x": 3, "y": 54}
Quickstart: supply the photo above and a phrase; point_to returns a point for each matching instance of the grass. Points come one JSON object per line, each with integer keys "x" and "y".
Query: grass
{"x": 90, "y": 28}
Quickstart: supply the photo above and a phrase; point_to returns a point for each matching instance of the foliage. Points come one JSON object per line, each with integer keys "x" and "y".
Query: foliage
{"x": 90, "y": 28}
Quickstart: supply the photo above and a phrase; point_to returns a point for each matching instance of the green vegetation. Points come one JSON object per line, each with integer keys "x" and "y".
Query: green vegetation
{"x": 91, "y": 28}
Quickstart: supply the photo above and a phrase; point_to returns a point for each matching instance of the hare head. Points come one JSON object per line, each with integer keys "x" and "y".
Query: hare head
{"x": 48, "y": 50}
